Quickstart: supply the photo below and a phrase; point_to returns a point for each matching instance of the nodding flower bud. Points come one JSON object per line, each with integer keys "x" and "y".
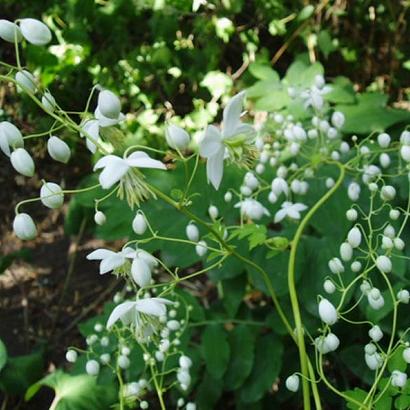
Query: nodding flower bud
{"x": 406, "y": 354}
{"x": 213, "y": 212}
{"x": 353, "y": 191}
{"x": 141, "y": 272}
{"x": 375, "y": 299}
{"x": 329, "y": 286}
{"x": 327, "y": 312}
{"x": 336, "y": 266}
{"x": 375, "y": 333}
{"x": 92, "y": 367}
{"x": 58, "y": 149}
{"x": 185, "y": 362}
{"x": 35, "y": 32}
{"x": 24, "y": 227}
{"x": 398, "y": 378}
{"x": 332, "y": 342}
{"x": 405, "y": 152}
{"x": 177, "y": 137}
{"x": 201, "y": 248}
{"x": 338, "y": 119}
{"x": 10, "y": 31}
{"x": 48, "y": 101}
{"x": 384, "y": 264}
{"x": 292, "y": 383}
{"x": 403, "y": 296}
{"x": 373, "y": 361}
{"x": 100, "y": 218}
{"x": 351, "y": 214}
{"x": 109, "y": 104}
{"x": 10, "y": 136}
{"x": 26, "y": 81}
{"x": 383, "y": 140}
{"x": 22, "y": 162}
{"x": 228, "y": 197}
{"x": 51, "y": 195}
{"x": 71, "y": 356}
{"x": 388, "y": 193}
{"x": 354, "y": 237}
{"x": 346, "y": 251}
{"x": 139, "y": 224}
{"x": 192, "y": 232}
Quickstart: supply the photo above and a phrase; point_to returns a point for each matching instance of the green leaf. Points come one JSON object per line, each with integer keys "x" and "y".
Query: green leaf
{"x": 305, "y": 13}
{"x": 256, "y": 234}
{"x": 402, "y": 403}
{"x": 75, "y": 392}
{"x": 325, "y": 43}
{"x": 342, "y": 91}
{"x": 242, "y": 343}
{"x": 356, "y": 394}
{"x": 266, "y": 368}
{"x": 233, "y": 293}
{"x": 215, "y": 350}
{"x": 3, "y": 355}
{"x": 396, "y": 362}
{"x": 208, "y": 393}
{"x": 263, "y": 72}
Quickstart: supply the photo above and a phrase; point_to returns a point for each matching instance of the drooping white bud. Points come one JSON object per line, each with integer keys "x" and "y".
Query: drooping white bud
{"x": 353, "y": 191}
{"x": 22, "y": 162}
{"x": 338, "y": 119}
{"x": 279, "y": 185}
{"x": 330, "y": 182}
{"x": 92, "y": 367}
{"x": 375, "y": 333}
{"x": 384, "y": 160}
{"x": 383, "y": 140}
{"x": 332, "y": 342}
{"x": 346, "y": 251}
{"x": 327, "y": 312}
{"x": 100, "y": 218}
{"x": 351, "y": 214}
{"x": 292, "y": 383}
{"x": 109, "y": 104}
{"x": 406, "y": 354}
{"x": 213, "y": 212}
{"x": 356, "y": 266}
{"x": 35, "y": 32}
{"x": 373, "y": 361}
{"x": 354, "y": 237}
{"x": 388, "y": 193}
{"x": 405, "y": 152}
{"x": 24, "y": 227}
{"x": 336, "y": 266}
{"x": 192, "y": 232}
{"x": 26, "y": 81}
{"x": 141, "y": 272}
{"x": 10, "y": 31}
{"x": 387, "y": 243}
{"x": 403, "y": 296}
{"x": 399, "y": 244}
{"x": 48, "y": 101}
{"x": 201, "y": 248}
{"x": 384, "y": 264}
{"x": 375, "y": 299}
{"x": 123, "y": 362}
{"x": 185, "y": 362}
{"x": 398, "y": 378}
{"x": 228, "y": 196}
{"x": 58, "y": 149}
{"x": 177, "y": 137}
{"x": 10, "y": 136}
{"x": 329, "y": 286}
{"x": 51, "y": 195}
{"x": 139, "y": 224}
{"x": 71, "y": 356}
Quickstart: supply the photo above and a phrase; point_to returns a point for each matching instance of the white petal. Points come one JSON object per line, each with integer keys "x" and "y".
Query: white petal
{"x": 215, "y": 168}
{"x": 104, "y": 161}
{"x": 119, "y": 312}
{"x": 231, "y": 115}
{"x": 299, "y": 207}
{"x": 100, "y": 254}
{"x": 113, "y": 172}
{"x": 293, "y": 213}
{"x": 110, "y": 263}
{"x": 211, "y": 142}
{"x": 242, "y": 128}
{"x": 4, "y": 145}
{"x": 141, "y": 159}
{"x": 281, "y": 214}
{"x": 151, "y": 307}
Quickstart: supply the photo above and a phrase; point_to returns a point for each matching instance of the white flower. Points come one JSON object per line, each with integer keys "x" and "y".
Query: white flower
{"x": 406, "y": 354}
{"x": 35, "y": 32}
{"x": 346, "y": 251}
{"x": 24, "y": 227}
{"x": 129, "y": 312}
{"x": 375, "y": 299}
{"x": 373, "y": 361}
{"x": 405, "y": 153}
{"x": 212, "y": 146}
{"x": 279, "y": 185}
{"x": 10, "y": 31}
{"x": 111, "y": 260}
{"x": 201, "y": 248}
{"x": 58, "y": 149}
{"x": 22, "y": 162}
{"x": 327, "y": 312}
{"x": 332, "y": 342}
{"x": 51, "y": 195}
{"x": 338, "y": 119}
{"x": 388, "y": 193}
{"x": 177, "y": 137}
{"x": 10, "y": 136}
{"x": 252, "y": 209}
{"x": 91, "y": 128}
{"x": 114, "y": 167}
{"x": 290, "y": 210}
{"x": 185, "y": 362}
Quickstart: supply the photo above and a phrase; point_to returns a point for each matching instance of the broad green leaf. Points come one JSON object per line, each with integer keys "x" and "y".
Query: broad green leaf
{"x": 208, "y": 392}
{"x": 396, "y": 362}
{"x": 342, "y": 91}
{"x": 242, "y": 343}
{"x": 3, "y": 355}
{"x": 266, "y": 368}
{"x": 233, "y": 293}
{"x": 263, "y": 72}
{"x": 215, "y": 350}
{"x": 325, "y": 43}
{"x": 357, "y": 394}
{"x": 402, "y": 402}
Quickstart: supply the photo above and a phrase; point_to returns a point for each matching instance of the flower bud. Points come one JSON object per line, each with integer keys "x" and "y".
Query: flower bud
{"x": 185, "y": 362}
{"x": 332, "y": 342}
{"x": 51, "y": 195}
{"x": 375, "y": 299}
{"x": 192, "y": 232}
{"x": 292, "y": 383}
{"x": 354, "y": 237}
{"x": 109, "y": 104}
{"x": 177, "y": 137}
{"x": 141, "y": 272}
{"x": 100, "y": 218}
{"x": 353, "y": 191}
{"x": 22, "y": 162}
{"x": 24, "y": 227}
{"x": 406, "y": 354}
{"x": 329, "y": 286}
{"x": 10, "y": 31}
{"x": 387, "y": 193}
{"x": 26, "y": 81}
{"x": 389, "y": 231}
{"x": 398, "y": 378}
{"x": 92, "y": 367}
{"x": 399, "y": 244}
{"x": 338, "y": 119}
{"x": 201, "y": 248}
{"x": 405, "y": 153}
{"x": 356, "y": 266}
{"x": 10, "y": 136}
{"x": 327, "y": 312}
{"x": 346, "y": 251}
{"x": 375, "y": 333}
{"x": 139, "y": 224}
{"x": 336, "y": 266}
{"x": 373, "y": 361}
{"x": 71, "y": 356}
{"x": 123, "y": 362}
{"x": 351, "y": 215}
{"x": 383, "y": 140}
{"x": 213, "y": 212}
{"x": 35, "y": 32}
{"x": 48, "y": 101}
{"x": 228, "y": 196}
{"x": 403, "y": 296}
{"x": 384, "y": 264}
{"x": 58, "y": 149}
{"x": 384, "y": 160}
